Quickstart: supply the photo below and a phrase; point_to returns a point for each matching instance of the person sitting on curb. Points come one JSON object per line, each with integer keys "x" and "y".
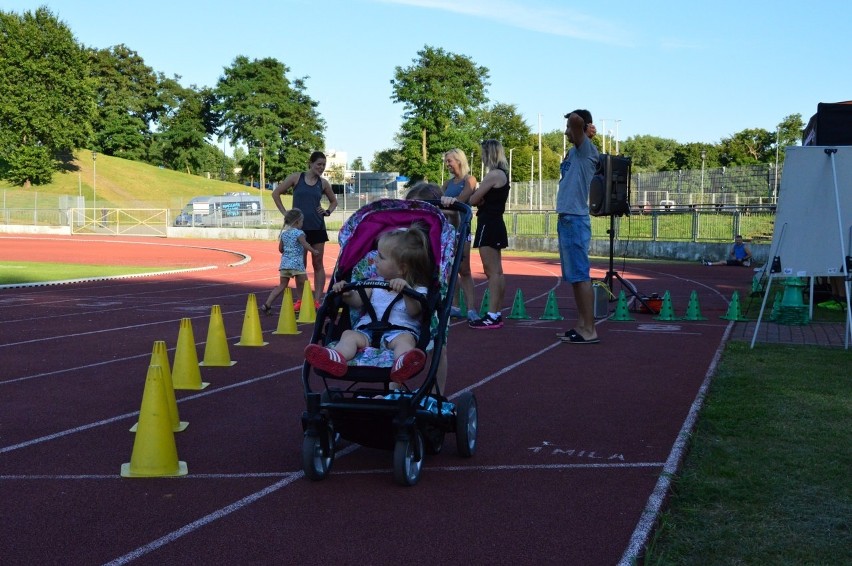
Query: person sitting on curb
{"x": 740, "y": 255}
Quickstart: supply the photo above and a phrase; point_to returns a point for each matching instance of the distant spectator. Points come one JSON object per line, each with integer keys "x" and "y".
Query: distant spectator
{"x": 491, "y": 237}
{"x": 740, "y": 255}
{"x": 461, "y": 186}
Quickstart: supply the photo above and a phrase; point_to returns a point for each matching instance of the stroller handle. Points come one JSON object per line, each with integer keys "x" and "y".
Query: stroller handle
{"x": 379, "y": 284}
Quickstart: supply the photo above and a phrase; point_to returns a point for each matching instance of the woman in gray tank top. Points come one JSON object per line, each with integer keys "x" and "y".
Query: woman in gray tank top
{"x": 308, "y": 189}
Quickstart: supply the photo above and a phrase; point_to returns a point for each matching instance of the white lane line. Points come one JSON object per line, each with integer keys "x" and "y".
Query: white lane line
{"x": 375, "y": 471}
{"x": 134, "y": 414}
{"x": 650, "y": 514}
{"x": 203, "y": 521}
{"x": 105, "y": 330}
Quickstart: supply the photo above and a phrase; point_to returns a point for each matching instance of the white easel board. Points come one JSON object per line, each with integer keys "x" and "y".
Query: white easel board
{"x": 813, "y": 224}
{"x": 808, "y": 238}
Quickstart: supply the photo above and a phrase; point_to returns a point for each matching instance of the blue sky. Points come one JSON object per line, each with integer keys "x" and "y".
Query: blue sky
{"x": 689, "y": 71}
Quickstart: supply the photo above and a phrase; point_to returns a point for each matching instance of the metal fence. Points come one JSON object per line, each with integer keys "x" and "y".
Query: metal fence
{"x": 699, "y": 223}
{"x": 118, "y": 221}
{"x": 754, "y": 185}
{"x": 708, "y": 205}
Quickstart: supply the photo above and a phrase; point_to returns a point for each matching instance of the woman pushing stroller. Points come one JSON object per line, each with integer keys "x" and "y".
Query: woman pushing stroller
{"x": 403, "y": 260}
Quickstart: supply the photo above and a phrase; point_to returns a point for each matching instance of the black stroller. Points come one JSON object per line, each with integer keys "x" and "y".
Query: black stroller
{"x": 361, "y": 406}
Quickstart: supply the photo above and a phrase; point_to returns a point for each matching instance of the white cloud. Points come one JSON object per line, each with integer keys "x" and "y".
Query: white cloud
{"x": 531, "y": 15}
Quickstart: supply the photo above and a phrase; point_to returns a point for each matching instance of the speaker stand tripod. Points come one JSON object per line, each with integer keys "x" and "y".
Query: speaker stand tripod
{"x": 612, "y": 274}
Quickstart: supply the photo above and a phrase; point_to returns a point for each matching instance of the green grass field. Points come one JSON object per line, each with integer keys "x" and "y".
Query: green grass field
{"x": 17, "y": 272}
{"x": 766, "y": 480}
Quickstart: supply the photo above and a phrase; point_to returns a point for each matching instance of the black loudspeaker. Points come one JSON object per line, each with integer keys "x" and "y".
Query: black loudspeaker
{"x": 609, "y": 193}
{"x": 831, "y": 125}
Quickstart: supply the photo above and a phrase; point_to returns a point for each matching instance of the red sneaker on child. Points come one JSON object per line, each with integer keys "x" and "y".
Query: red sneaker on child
{"x": 326, "y": 359}
{"x": 407, "y": 365}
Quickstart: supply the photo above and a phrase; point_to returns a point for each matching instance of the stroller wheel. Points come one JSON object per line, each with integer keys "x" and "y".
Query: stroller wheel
{"x": 318, "y": 453}
{"x": 408, "y": 458}
{"x": 466, "y": 424}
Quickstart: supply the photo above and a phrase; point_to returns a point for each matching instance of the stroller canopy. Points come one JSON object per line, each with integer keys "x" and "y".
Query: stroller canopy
{"x": 360, "y": 233}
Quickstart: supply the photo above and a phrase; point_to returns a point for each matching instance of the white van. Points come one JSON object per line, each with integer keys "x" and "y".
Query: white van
{"x": 230, "y": 209}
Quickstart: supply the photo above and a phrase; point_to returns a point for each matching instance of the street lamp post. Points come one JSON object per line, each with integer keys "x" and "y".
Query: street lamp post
{"x": 608, "y": 147}
{"x": 510, "y": 173}
{"x": 261, "y": 175}
{"x": 775, "y": 185}
{"x": 616, "y": 136}
{"x": 94, "y": 182}
{"x": 539, "y": 163}
{"x": 532, "y": 172}
{"x": 703, "y": 157}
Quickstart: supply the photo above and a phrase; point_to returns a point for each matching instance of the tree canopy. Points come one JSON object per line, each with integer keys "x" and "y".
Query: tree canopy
{"x": 274, "y": 118}
{"x": 57, "y": 96}
{"x": 46, "y": 96}
{"x": 439, "y": 92}
{"x": 128, "y": 98}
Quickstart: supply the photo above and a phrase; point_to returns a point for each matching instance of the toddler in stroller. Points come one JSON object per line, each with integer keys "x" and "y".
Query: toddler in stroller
{"x": 404, "y": 261}
{"x": 360, "y": 368}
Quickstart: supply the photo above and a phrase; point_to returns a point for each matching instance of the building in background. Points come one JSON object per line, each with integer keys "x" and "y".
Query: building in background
{"x": 335, "y": 165}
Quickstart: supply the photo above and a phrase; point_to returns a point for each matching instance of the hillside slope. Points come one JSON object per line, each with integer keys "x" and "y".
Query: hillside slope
{"x": 120, "y": 183}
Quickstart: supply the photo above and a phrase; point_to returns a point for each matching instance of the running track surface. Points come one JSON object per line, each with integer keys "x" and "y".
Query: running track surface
{"x": 575, "y": 442}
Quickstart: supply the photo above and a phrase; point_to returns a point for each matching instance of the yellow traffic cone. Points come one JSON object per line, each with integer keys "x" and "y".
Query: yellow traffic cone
{"x": 160, "y": 357}
{"x": 308, "y": 311}
{"x": 216, "y": 349}
{"x": 154, "y": 450}
{"x": 287, "y": 316}
{"x": 252, "y": 334}
{"x": 186, "y": 374}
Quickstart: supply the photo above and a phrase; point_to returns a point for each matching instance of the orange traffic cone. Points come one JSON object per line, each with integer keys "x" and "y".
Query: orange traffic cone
{"x": 252, "y": 334}
{"x": 186, "y": 374}
{"x": 216, "y": 349}
{"x": 154, "y": 450}
{"x": 287, "y": 316}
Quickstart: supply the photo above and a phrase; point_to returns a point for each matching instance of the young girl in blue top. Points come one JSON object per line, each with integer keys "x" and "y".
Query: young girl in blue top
{"x": 292, "y": 245}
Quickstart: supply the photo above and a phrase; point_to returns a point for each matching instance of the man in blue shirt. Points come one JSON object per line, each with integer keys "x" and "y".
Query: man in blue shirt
{"x": 574, "y": 227}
